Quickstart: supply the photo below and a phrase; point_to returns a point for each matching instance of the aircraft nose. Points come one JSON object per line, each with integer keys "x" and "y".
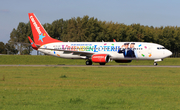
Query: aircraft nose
{"x": 169, "y": 53}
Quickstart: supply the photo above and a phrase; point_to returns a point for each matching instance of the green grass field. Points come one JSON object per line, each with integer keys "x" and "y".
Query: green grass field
{"x": 50, "y": 60}
{"x": 89, "y": 88}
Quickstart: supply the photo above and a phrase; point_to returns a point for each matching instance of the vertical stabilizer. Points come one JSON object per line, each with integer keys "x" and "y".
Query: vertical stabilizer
{"x": 39, "y": 33}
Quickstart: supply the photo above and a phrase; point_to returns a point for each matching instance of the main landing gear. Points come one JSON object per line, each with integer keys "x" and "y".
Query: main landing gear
{"x": 89, "y": 62}
{"x": 155, "y": 64}
{"x": 102, "y": 63}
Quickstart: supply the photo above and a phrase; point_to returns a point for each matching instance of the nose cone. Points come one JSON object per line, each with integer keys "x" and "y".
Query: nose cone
{"x": 169, "y": 53}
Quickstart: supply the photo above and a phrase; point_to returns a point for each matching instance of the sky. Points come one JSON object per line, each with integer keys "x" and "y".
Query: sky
{"x": 145, "y": 12}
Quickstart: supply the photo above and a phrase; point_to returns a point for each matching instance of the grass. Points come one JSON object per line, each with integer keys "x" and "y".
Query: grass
{"x": 50, "y": 60}
{"x": 89, "y": 88}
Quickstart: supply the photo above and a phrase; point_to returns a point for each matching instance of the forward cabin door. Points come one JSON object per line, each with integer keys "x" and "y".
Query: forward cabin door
{"x": 149, "y": 52}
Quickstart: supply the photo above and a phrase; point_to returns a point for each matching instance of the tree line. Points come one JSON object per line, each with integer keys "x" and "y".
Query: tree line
{"x": 7, "y": 49}
{"x": 88, "y": 29}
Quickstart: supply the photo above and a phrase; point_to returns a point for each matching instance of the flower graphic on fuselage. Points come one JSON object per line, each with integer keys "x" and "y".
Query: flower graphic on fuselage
{"x": 150, "y": 55}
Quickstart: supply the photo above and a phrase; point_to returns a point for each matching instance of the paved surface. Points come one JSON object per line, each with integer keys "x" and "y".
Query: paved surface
{"x": 91, "y": 66}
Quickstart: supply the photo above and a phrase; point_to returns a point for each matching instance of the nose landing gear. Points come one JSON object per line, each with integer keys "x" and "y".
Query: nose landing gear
{"x": 155, "y": 64}
{"x": 157, "y": 60}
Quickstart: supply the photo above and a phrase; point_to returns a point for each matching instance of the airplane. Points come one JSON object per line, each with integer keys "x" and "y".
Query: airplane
{"x": 95, "y": 52}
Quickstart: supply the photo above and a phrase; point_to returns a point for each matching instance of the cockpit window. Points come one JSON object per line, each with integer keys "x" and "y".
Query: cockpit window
{"x": 161, "y": 48}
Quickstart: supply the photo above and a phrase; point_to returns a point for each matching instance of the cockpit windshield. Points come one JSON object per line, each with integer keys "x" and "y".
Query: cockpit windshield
{"x": 159, "y": 48}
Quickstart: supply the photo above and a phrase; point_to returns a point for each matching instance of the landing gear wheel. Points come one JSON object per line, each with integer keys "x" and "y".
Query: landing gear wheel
{"x": 88, "y": 62}
{"x": 155, "y": 64}
{"x": 102, "y": 63}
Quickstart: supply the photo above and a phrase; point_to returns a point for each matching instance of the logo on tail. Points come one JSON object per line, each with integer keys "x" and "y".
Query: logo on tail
{"x": 38, "y": 29}
{"x": 40, "y": 35}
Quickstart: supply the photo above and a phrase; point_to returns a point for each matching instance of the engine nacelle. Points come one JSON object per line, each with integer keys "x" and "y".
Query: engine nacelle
{"x": 100, "y": 58}
{"x": 123, "y": 61}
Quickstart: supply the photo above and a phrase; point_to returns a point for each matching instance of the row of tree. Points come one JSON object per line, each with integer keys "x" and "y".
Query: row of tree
{"x": 88, "y": 29}
{"x": 7, "y": 49}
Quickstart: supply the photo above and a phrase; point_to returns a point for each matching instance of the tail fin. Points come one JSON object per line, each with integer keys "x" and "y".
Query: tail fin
{"x": 39, "y": 33}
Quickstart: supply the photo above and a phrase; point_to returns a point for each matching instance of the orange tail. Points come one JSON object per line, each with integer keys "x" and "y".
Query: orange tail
{"x": 39, "y": 33}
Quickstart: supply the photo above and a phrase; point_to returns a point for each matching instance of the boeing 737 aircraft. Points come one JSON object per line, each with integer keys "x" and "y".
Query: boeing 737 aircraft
{"x": 96, "y": 52}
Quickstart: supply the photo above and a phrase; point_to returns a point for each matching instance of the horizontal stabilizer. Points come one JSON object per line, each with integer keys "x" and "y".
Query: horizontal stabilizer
{"x": 33, "y": 44}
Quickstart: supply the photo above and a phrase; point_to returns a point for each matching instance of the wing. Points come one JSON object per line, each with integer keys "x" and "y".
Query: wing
{"x": 81, "y": 53}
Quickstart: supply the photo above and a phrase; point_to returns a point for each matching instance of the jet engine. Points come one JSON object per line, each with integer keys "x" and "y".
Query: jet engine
{"x": 100, "y": 58}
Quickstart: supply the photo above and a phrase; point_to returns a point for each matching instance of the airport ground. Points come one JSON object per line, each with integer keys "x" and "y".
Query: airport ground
{"x": 50, "y": 60}
{"x": 56, "y": 87}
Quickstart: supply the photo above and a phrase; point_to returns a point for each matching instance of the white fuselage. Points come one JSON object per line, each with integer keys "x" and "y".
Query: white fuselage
{"x": 82, "y": 50}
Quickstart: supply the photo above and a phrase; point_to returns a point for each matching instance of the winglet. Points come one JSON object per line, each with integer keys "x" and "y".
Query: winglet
{"x": 114, "y": 40}
{"x": 33, "y": 44}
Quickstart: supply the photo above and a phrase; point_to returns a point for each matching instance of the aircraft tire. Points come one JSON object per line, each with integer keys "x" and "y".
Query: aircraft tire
{"x": 155, "y": 64}
{"x": 88, "y": 62}
{"x": 102, "y": 63}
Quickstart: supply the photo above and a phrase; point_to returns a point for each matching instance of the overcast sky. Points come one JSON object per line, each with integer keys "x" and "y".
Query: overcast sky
{"x": 146, "y": 12}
